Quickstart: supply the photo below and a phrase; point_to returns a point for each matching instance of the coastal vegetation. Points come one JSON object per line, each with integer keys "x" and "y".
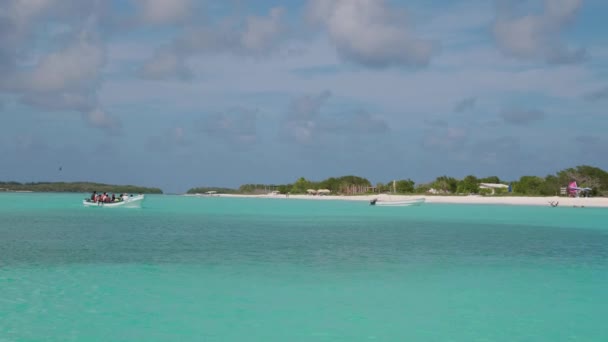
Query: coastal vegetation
{"x": 550, "y": 185}
{"x": 77, "y": 187}
{"x": 527, "y": 185}
{"x": 203, "y": 190}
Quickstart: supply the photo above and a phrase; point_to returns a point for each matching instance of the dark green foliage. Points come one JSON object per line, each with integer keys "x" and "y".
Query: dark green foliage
{"x": 284, "y": 188}
{"x": 346, "y": 184}
{"x": 343, "y": 184}
{"x": 77, "y": 187}
{"x": 550, "y": 186}
{"x": 485, "y": 192}
{"x": 469, "y": 185}
{"x": 491, "y": 179}
{"x": 445, "y": 184}
{"x": 422, "y": 188}
{"x": 586, "y": 176}
{"x": 529, "y": 185}
{"x": 404, "y": 186}
{"x": 256, "y": 188}
{"x": 300, "y": 186}
{"x": 381, "y": 187}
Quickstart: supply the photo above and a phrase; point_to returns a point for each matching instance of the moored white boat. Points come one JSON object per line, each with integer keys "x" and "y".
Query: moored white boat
{"x": 398, "y": 203}
{"x": 128, "y": 202}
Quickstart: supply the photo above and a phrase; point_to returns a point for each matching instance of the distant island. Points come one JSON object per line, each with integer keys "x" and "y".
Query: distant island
{"x": 550, "y": 185}
{"x": 76, "y": 187}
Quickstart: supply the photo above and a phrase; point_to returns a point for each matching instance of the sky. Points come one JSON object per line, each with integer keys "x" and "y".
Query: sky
{"x": 184, "y": 93}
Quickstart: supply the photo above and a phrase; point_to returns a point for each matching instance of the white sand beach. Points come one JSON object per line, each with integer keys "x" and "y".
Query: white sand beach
{"x": 601, "y": 202}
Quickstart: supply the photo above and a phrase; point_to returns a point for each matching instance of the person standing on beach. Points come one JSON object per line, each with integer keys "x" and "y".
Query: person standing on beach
{"x": 573, "y": 188}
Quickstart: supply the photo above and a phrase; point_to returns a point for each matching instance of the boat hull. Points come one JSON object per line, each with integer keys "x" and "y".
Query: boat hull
{"x": 131, "y": 202}
{"x": 404, "y": 203}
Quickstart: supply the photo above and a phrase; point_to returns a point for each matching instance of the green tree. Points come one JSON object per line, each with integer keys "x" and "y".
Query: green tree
{"x": 491, "y": 179}
{"x": 529, "y": 185}
{"x": 446, "y": 184}
{"x": 422, "y": 188}
{"x": 202, "y": 190}
{"x": 469, "y": 185}
{"x": 550, "y": 186}
{"x": 285, "y": 188}
{"x": 585, "y": 176}
{"x": 404, "y": 186}
{"x": 330, "y": 183}
{"x": 381, "y": 187}
{"x": 300, "y": 186}
{"x": 77, "y": 187}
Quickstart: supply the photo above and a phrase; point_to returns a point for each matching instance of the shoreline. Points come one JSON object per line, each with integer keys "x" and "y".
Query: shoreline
{"x": 595, "y": 202}
{"x": 591, "y": 202}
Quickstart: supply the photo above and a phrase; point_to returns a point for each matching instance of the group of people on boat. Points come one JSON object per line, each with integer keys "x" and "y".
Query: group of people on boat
{"x": 106, "y": 198}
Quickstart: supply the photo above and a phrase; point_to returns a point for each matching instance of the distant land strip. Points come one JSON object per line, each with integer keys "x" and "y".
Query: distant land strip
{"x": 75, "y": 187}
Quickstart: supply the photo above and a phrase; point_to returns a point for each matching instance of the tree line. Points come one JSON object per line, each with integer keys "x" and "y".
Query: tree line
{"x": 77, "y": 187}
{"x": 585, "y": 176}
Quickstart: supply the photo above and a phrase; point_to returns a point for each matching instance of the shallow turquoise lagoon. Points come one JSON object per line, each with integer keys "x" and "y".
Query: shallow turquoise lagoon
{"x": 232, "y": 269}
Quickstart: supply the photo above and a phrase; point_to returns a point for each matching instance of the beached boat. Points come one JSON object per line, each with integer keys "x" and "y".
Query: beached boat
{"x": 398, "y": 203}
{"x": 128, "y": 202}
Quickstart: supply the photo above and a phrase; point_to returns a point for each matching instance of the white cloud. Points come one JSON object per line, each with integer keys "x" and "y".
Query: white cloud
{"x": 100, "y": 119}
{"x": 370, "y": 32}
{"x": 253, "y": 36}
{"x": 498, "y": 150}
{"x": 24, "y": 10}
{"x": 173, "y": 140}
{"x": 261, "y": 33}
{"x": 301, "y": 119}
{"x": 166, "y": 65}
{"x": 305, "y": 124}
{"x": 537, "y": 36}
{"x": 64, "y": 72}
{"x": 164, "y": 11}
{"x": 445, "y": 139}
{"x": 236, "y": 126}
{"x": 72, "y": 68}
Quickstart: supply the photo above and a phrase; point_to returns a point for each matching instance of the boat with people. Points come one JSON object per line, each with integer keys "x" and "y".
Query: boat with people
{"x": 105, "y": 200}
{"x": 397, "y": 203}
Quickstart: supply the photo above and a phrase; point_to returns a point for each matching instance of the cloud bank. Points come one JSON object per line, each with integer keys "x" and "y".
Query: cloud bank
{"x": 371, "y": 33}
{"x": 537, "y": 36}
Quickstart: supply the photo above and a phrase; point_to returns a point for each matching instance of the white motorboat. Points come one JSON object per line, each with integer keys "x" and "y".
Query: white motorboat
{"x": 126, "y": 202}
{"x": 397, "y": 203}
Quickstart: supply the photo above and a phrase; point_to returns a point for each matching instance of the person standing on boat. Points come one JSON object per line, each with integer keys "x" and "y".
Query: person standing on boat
{"x": 94, "y": 196}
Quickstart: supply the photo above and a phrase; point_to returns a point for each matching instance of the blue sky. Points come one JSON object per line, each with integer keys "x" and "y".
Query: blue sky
{"x": 187, "y": 93}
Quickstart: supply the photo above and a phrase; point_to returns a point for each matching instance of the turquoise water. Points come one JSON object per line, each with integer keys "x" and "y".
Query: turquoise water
{"x": 224, "y": 269}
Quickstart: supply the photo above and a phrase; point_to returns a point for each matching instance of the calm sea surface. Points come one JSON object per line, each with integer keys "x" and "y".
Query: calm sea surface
{"x": 224, "y": 269}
